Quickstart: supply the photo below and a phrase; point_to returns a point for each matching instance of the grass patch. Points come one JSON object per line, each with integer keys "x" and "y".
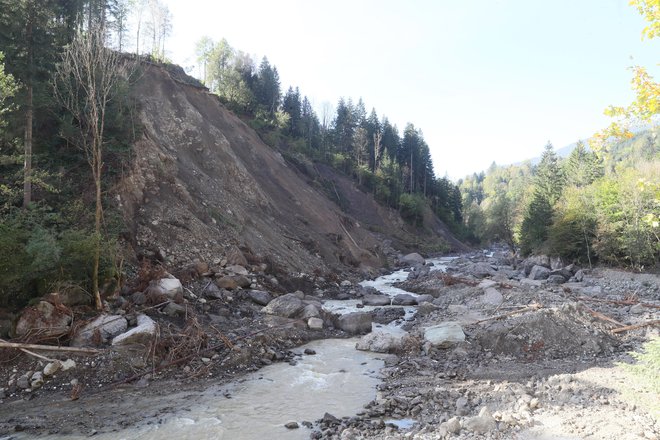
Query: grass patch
{"x": 643, "y": 387}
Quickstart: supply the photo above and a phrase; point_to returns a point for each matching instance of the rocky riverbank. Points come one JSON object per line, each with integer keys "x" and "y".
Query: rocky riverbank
{"x": 495, "y": 353}
{"x": 497, "y": 348}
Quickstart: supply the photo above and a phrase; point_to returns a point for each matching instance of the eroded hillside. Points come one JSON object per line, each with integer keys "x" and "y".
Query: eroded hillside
{"x": 202, "y": 181}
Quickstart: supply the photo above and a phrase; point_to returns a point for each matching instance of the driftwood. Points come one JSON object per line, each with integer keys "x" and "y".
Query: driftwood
{"x": 5, "y": 344}
{"x": 530, "y": 308}
{"x": 602, "y": 317}
{"x": 32, "y": 353}
{"x": 619, "y": 302}
{"x": 636, "y": 326}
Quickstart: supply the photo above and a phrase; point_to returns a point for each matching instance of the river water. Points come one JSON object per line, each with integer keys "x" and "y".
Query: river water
{"x": 338, "y": 379}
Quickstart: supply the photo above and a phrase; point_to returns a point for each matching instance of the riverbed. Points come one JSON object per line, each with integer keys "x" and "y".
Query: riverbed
{"x": 336, "y": 379}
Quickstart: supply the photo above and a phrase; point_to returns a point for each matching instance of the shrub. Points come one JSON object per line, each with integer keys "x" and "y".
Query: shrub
{"x": 411, "y": 207}
{"x": 574, "y": 227}
{"x": 42, "y": 256}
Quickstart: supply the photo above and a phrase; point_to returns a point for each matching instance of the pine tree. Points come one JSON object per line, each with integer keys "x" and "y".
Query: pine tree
{"x": 292, "y": 105}
{"x": 268, "y": 87}
{"x": 549, "y": 179}
{"x": 535, "y": 225}
{"x": 582, "y": 167}
{"x": 344, "y": 126}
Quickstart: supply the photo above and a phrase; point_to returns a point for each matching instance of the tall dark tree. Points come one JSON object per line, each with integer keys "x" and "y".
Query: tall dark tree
{"x": 408, "y": 156}
{"x": 549, "y": 177}
{"x": 344, "y": 125}
{"x": 391, "y": 139}
{"x": 31, "y": 34}
{"x": 292, "y": 105}
{"x": 267, "y": 88}
{"x": 535, "y": 224}
{"x": 310, "y": 126}
{"x": 375, "y": 136}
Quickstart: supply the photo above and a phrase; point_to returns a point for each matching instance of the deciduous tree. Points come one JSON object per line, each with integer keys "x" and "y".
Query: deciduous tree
{"x": 85, "y": 82}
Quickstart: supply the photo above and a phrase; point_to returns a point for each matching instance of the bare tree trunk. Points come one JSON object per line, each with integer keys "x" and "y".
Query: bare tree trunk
{"x": 411, "y": 171}
{"x": 29, "y": 114}
{"x": 98, "y": 214}
{"x": 27, "y": 178}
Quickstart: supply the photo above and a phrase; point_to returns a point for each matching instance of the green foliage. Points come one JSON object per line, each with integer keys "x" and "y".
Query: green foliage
{"x": 647, "y": 366}
{"x": 411, "y": 207}
{"x": 8, "y": 88}
{"x": 500, "y": 222}
{"x": 45, "y": 250}
{"x": 573, "y": 229}
{"x": 535, "y": 225}
{"x": 548, "y": 176}
{"x": 625, "y": 207}
{"x": 582, "y": 167}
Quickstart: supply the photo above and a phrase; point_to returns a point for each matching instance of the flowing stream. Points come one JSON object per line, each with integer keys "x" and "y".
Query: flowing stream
{"x": 338, "y": 379}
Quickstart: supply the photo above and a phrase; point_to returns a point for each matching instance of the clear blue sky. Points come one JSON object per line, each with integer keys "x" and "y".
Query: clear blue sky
{"x": 485, "y": 80}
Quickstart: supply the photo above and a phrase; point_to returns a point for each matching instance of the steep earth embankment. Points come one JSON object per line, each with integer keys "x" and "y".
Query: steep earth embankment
{"x": 202, "y": 181}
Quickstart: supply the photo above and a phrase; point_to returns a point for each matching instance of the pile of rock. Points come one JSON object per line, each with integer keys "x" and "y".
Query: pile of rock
{"x": 34, "y": 379}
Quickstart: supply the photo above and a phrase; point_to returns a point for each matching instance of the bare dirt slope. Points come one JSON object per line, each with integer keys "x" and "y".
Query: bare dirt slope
{"x": 202, "y": 180}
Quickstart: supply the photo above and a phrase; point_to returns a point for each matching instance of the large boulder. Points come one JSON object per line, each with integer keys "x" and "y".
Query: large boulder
{"x": 169, "y": 287}
{"x": 539, "y": 273}
{"x": 535, "y": 260}
{"x": 425, "y": 298}
{"x": 287, "y": 306}
{"x": 492, "y": 296}
{"x": 105, "y": 326}
{"x": 481, "y": 270}
{"x": 403, "y": 299}
{"x": 142, "y": 334}
{"x": 482, "y": 423}
{"x": 382, "y": 342}
{"x": 43, "y": 320}
{"x": 376, "y": 300}
{"x": 315, "y": 323}
{"x": 556, "y": 279}
{"x": 565, "y": 273}
{"x": 310, "y": 311}
{"x": 444, "y": 335}
{"x": 385, "y": 315}
{"x": 355, "y": 323}
{"x": 413, "y": 259}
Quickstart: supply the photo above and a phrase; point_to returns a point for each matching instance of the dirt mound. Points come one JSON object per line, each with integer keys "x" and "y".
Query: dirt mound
{"x": 564, "y": 332}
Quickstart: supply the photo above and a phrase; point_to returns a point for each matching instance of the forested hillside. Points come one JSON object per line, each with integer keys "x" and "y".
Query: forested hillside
{"x": 601, "y": 203}
{"x": 396, "y": 167}
{"x": 588, "y": 207}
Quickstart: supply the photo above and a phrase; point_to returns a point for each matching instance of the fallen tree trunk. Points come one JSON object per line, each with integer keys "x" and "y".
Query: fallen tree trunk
{"x": 622, "y": 303}
{"x": 18, "y": 345}
{"x": 636, "y": 326}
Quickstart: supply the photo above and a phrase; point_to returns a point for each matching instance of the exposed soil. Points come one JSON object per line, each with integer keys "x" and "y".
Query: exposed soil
{"x": 202, "y": 181}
